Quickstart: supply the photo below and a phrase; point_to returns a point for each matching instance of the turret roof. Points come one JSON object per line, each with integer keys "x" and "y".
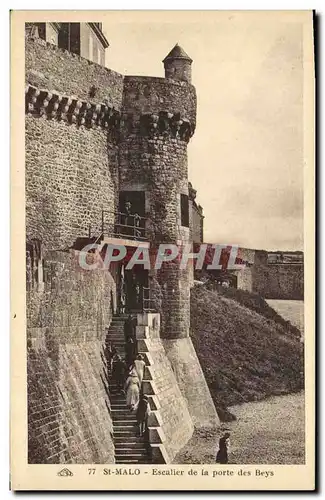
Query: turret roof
{"x": 177, "y": 53}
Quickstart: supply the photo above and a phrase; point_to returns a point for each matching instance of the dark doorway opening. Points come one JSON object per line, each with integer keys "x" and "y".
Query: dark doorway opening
{"x": 136, "y": 280}
{"x": 133, "y": 284}
{"x": 135, "y": 201}
{"x": 131, "y": 217}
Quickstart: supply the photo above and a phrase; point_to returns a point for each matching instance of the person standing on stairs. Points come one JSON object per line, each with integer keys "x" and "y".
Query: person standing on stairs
{"x": 139, "y": 365}
{"x": 130, "y": 351}
{"x": 128, "y": 328}
{"x": 143, "y": 412}
{"x": 118, "y": 373}
{"x": 110, "y": 353}
{"x": 132, "y": 389}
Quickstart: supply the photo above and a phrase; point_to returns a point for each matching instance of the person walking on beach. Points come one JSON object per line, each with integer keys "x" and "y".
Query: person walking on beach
{"x": 222, "y": 455}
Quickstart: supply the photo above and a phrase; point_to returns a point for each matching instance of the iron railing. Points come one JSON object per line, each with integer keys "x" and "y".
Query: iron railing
{"x": 120, "y": 225}
{"x": 146, "y": 300}
{"x": 131, "y": 225}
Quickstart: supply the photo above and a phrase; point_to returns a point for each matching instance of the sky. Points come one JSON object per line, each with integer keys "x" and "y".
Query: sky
{"x": 246, "y": 156}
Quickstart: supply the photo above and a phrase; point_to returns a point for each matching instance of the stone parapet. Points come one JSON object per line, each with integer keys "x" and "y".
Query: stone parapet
{"x": 161, "y": 124}
{"x": 42, "y": 102}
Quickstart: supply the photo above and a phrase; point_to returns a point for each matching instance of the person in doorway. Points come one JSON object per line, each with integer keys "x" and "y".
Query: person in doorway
{"x": 137, "y": 222}
{"x": 139, "y": 365}
{"x": 128, "y": 328}
{"x": 132, "y": 389}
{"x": 118, "y": 372}
{"x": 130, "y": 351}
{"x": 138, "y": 296}
{"x": 122, "y": 302}
{"x": 127, "y": 218}
{"x": 143, "y": 412}
{"x": 222, "y": 455}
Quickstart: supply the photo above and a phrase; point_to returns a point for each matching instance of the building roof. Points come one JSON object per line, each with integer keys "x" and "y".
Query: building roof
{"x": 177, "y": 53}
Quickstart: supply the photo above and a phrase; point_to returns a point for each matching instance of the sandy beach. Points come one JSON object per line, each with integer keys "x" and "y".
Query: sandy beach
{"x": 265, "y": 432}
{"x": 269, "y": 432}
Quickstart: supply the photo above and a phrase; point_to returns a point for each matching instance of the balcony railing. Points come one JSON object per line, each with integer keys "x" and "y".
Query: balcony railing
{"x": 131, "y": 226}
{"x": 120, "y": 225}
{"x": 147, "y": 303}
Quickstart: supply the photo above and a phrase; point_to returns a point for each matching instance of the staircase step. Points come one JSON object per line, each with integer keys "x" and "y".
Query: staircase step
{"x": 123, "y": 438}
{"x": 126, "y": 421}
{"x": 131, "y": 456}
{"x": 123, "y": 409}
{"x": 116, "y": 412}
{"x": 124, "y": 432}
{"x": 145, "y": 461}
{"x": 129, "y": 445}
{"x": 126, "y": 425}
{"x": 124, "y": 417}
{"x": 130, "y": 451}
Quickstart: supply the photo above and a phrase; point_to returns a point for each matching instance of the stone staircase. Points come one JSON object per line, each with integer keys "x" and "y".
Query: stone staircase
{"x": 129, "y": 447}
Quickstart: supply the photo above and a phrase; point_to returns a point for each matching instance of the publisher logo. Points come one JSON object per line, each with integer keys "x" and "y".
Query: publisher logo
{"x": 65, "y": 473}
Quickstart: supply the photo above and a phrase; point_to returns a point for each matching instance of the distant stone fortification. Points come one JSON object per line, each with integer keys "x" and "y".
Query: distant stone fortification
{"x": 274, "y": 275}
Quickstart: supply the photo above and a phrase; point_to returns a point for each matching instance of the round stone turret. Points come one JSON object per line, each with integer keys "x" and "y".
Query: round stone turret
{"x": 177, "y": 65}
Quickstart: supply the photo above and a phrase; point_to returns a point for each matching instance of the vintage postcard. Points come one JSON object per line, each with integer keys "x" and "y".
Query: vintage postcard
{"x": 162, "y": 250}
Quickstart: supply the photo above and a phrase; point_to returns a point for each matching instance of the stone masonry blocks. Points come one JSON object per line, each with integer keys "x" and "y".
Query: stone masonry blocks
{"x": 169, "y": 409}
